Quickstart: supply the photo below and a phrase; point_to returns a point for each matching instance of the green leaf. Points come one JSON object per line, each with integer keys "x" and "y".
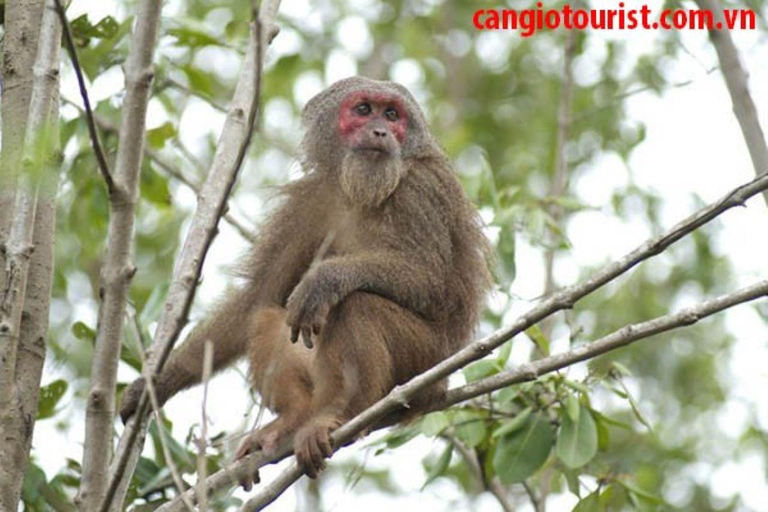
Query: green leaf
{"x": 188, "y": 35}
{"x": 152, "y": 308}
{"x": 520, "y": 454}
{"x": 83, "y": 332}
{"x": 621, "y": 368}
{"x": 434, "y": 423}
{"x": 83, "y": 29}
{"x": 577, "y": 440}
{"x": 603, "y": 434}
{"x": 537, "y": 336}
{"x": 398, "y": 437}
{"x": 470, "y": 427}
{"x": 49, "y": 397}
{"x": 590, "y": 503}
{"x": 576, "y": 386}
{"x": 641, "y": 493}
{"x": 635, "y": 407}
{"x": 506, "y": 269}
{"x": 514, "y": 424}
{"x": 572, "y": 407}
{"x": 572, "y": 480}
{"x": 504, "y": 352}
{"x": 439, "y": 468}
{"x": 157, "y": 137}
{"x": 507, "y": 395}
{"x": 481, "y": 369}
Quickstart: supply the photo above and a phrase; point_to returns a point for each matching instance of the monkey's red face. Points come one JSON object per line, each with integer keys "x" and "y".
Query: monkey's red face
{"x": 373, "y": 122}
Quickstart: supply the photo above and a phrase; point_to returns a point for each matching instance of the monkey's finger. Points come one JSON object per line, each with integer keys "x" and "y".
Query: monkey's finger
{"x": 246, "y": 483}
{"x": 306, "y": 336}
{"x": 326, "y": 448}
{"x": 316, "y": 461}
{"x": 294, "y": 334}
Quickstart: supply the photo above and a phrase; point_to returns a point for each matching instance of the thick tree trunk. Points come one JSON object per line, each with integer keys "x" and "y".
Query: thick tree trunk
{"x": 27, "y": 208}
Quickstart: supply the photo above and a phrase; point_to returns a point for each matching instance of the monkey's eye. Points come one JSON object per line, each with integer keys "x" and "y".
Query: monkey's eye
{"x": 392, "y": 114}
{"x": 363, "y": 109}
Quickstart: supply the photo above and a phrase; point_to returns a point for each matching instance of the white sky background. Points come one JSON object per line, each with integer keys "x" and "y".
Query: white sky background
{"x": 693, "y": 146}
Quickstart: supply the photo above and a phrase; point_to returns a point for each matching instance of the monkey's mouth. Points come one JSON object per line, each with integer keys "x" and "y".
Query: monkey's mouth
{"x": 371, "y": 150}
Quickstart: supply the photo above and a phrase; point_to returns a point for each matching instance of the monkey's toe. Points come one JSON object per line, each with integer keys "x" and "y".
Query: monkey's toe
{"x": 312, "y": 446}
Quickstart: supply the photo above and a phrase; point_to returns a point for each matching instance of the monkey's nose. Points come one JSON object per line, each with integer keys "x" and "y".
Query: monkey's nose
{"x": 379, "y": 133}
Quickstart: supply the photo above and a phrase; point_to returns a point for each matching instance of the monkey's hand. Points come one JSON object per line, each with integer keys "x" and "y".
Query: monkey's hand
{"x": 308, "y": 307}
{"x": 130, "y": 400}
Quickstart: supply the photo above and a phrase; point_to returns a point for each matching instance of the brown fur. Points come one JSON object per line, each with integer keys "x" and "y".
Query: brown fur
{"x": 376, "y": 259}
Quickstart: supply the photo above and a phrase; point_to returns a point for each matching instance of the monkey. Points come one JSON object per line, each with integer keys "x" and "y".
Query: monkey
{"x": 375, "y": 259}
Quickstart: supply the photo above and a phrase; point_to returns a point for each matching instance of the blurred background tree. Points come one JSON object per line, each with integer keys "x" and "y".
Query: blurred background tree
{"x": 543, "y": 131}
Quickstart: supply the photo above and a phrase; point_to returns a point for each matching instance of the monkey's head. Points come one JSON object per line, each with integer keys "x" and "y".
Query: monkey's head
{"x": 365, "y": 131}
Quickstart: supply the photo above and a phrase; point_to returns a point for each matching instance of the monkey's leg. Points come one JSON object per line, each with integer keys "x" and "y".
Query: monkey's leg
{"x": 368, "y": 345}
{"x": 280, "y": 373}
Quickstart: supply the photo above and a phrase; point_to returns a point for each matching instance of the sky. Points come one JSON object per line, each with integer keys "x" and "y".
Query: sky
{"x": 693, "y": 146}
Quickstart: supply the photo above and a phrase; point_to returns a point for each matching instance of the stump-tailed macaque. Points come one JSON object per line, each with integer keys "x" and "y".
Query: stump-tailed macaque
{"x": 375, "y": 260}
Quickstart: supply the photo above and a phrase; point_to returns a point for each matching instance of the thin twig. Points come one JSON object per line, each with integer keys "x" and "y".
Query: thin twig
{"x": 160, "y": 421}
{"x": 224, "y": 170}
{"x": 535, "y": 499}
{"x": 736, "y": 80}
{"x": 95, "y": 141}
{"x": 203, "y": 440}
{"x": 472, "y": 459}
{"x": 559, "y": 183}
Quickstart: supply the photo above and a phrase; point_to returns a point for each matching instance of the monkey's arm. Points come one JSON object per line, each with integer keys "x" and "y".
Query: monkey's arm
{"x": 414, "y": 285}
{"x": 226, "y": 328}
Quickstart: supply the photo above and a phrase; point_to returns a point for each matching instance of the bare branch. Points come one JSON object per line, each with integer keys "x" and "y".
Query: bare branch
{"x": 617, "y": 339}
{"x": 203, "y": 441}
{"x": 535, "y": 498}
{"x": 95, "y": 142}
{"x": 559, "y": 181}
{"x": 493, "y": 485}
{"x": 118, "y": 270}
{"x": 736, "y": 79}
{"x": 227, "y": 161}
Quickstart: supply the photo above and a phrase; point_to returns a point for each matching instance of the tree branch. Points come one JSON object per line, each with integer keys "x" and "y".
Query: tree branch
{"x": 95, "y": 142}
{"x": 118, "y": 270}
{"x": 27, "y": 269}
{"x": 494, "y": 485}
{"x": 617, "y": 339}
{"x": 559, "y": 181}
{"x": 736, "y": 79}
{"x": 233, "y": 144}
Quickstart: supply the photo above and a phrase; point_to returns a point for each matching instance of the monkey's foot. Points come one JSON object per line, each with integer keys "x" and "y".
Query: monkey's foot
{"x": 269, "y": 440}
{"x": 312, "y": 444}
